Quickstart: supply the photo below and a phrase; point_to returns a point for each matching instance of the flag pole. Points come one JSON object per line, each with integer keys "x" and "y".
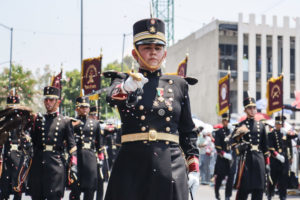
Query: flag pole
{"x": 229, "y": 104}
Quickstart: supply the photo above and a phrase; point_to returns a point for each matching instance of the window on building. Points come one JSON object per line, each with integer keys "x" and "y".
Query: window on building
{"x": 228, "y": 56}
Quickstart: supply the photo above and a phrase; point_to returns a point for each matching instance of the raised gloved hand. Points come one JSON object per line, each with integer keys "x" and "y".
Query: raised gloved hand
{"x": 280, "y": 158}
{"x": 227, "y": 156}
{"x": 134, "y": 82}
{"x": 194, "y": 182}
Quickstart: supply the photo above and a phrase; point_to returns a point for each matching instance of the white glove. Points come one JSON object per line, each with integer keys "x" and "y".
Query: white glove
{"x": 227, "y": 156}
{"x": 131, "y": 85}
{"x": 280, "y": 158}
{"x": 194, "y": 182}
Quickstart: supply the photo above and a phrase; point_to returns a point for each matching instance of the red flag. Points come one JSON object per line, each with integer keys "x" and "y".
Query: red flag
{"x": 56, "y": 80}
{"x": 274, "y": 95}
{"x": 91, "y": 75}
{"x": 223, "y": 94}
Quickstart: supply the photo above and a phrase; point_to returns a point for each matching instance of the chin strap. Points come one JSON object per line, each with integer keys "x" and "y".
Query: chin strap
{"x": 149, "y": 67}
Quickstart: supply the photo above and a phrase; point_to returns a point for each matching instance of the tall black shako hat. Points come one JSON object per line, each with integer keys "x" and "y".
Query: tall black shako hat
{"x": 51, "y": 93}
{"x": 82, "y": 101}
{"x": 225, "y": 116}
{"x": 249, "y": 101}
{"x": 149, "y": 31}
{"x": 279, "y": 119}
{"x": 93, "y": 110}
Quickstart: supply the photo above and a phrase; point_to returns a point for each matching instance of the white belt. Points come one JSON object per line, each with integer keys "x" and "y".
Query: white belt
{"x": 14, "y": 147}
{"x": 86, "y": 145}
{"x": 49, "y": 148}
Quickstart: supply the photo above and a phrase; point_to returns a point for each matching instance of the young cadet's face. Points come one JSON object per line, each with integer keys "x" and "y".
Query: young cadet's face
{"x": 153, "y": 54}
{"x": 83, "y": 110}
{"x": 51, "y": 105}
{"x": 251, "y": 111}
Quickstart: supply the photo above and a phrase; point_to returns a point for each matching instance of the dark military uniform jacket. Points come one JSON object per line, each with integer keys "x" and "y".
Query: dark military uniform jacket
{"x": 281, "y": 144}
{"x": 253, "y": 176}
{"x": 153, "y": 170}
{"x": 11, "y": 160}
{"x": 222, "y": 165}
{"x": 50, "y": 134}
{"x": 112, "y": 139}
{"x": 89, "y": 141}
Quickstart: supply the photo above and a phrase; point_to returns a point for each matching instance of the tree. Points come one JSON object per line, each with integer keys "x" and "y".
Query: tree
{"x": 22, "y": 80}
{"x": 70, "y": 91}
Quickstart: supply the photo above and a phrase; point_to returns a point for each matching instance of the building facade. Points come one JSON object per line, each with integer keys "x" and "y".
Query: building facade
{"x": 254, "y": 52}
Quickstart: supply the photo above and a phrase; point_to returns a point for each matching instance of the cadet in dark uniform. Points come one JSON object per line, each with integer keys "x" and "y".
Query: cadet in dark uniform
{"x": 224, "y": 164}
{"x": 156, "y": 124}
{"x": 252, "y": 147}
{"x": 87, "y": 136}
{"x": 280, "y": 146}
{"x": 50, "y": 132}
{"x": 11, "y": 158}
{"x": 112, "y": 138}
{"x": 100, "y": 190}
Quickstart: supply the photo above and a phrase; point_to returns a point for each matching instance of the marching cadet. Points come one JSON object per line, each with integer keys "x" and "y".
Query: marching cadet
{"x": 100, "y": 190}
{"x": 156, "y": 124}
{"x": 87, "y": 136}
{"x": 11, "y": 158}
{"x": 252, "y": 148}
{"x": 112, "y": 141}
{"x": 50, "y": 132}
{"x": 224, "y": 164}
{"x": 280, "y": 146}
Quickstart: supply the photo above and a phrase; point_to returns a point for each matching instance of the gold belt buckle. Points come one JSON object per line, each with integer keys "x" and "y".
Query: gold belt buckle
{"x": 87, "y": 145}
{"x": 14, "y": 147}
{"x": 254, "y": 148}
{"x": 49, "y": 148}
{"x": 152, "y": 135}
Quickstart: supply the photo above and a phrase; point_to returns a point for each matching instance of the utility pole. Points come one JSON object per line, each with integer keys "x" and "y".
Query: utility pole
{"x": 81, "y": 34}
{"x": 124, "y": 37}
{"x": 10, "y": 59}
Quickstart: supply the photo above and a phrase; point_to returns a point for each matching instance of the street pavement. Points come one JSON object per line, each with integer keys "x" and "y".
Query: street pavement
{"x": 205, "y": 192}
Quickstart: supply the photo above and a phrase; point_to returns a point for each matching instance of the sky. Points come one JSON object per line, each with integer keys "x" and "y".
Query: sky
{"x": 47, "y": 32}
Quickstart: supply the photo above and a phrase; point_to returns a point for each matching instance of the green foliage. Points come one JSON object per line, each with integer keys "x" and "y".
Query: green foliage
{"x": 22, "y": 80}
{"x": 70, "y": 91}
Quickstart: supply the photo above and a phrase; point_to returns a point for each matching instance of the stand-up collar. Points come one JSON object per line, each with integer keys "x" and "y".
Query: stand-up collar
{"x": 149, "y": 74}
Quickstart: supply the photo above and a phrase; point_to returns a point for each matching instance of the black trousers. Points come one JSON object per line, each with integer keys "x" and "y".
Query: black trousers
{"x": 100, "y": 189}
{"x": 255, "y": 194}
{"x": 87, "y": 194}
{"x": 279, "y": 177}
{"x": 229, "y": 185}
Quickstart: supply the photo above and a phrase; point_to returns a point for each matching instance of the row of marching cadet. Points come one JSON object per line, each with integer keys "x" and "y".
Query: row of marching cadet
{"x": 222, "y": 161}
{"x": 96, "y": 143}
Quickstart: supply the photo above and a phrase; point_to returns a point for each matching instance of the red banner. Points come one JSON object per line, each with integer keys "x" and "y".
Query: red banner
{"x": 56, "y": 80}
{"x": 223, "y": 94}
{"x": 91, "y": 75}
{"x": 274, "y": 95}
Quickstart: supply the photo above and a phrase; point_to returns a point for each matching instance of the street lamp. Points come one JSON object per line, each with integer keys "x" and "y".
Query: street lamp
{"x": 124, "y": 36}
{"x": 10, "y": 59}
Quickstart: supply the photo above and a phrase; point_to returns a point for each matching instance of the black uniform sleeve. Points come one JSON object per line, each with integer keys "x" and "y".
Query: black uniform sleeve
{"x": 271, "y": 142}
{"x": 218, "y": 142}
{"x": 186, "y": 128}
{"x": 264, "y": 140}
{"x": 114, "y": 93}
{"x": 99, "y": 137}
{"x": 69, "y": 136}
